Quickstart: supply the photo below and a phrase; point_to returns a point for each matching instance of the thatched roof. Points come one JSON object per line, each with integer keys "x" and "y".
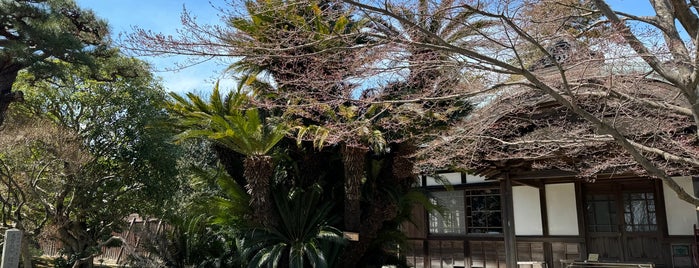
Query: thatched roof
{"x": 524, "y": 129}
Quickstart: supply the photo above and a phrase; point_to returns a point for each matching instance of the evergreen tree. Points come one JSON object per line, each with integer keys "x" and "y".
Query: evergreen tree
{"x": 34, "y": 33}
{"x": 109, "y": 157}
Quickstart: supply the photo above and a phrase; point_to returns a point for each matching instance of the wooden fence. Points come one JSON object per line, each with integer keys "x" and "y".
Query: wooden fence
{"x": 138, "y": 227}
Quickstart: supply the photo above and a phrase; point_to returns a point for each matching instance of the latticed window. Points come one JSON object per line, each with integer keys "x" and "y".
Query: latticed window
{"x": 484, "y": 211}
{"x": 601, "y": 213}
{"x": 453, "y": 218}
{"x": 639, "y": 212}
{"x": 470, "y": 211}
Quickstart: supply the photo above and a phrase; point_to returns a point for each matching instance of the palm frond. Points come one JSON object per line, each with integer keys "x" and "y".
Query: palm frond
{"x": 226, "y": 121}
{"x": 317, "y": 134}
{"x": 215, "y": 101}
{"x": 303, "y": 231}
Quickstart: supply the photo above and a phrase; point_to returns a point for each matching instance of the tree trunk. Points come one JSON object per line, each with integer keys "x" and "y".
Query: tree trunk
{"x": 381, "y": 209}
{"x": 8, "y": 75}
{"x": 25, "y": 253}
{"x": 258, "y": 172}
{"x": 76, "y": 242}
{"x": 353, "y": 159}
{"x": 84, "y": 263}
{"x": 312, "y": 164}
{"x": 396, "y": 172}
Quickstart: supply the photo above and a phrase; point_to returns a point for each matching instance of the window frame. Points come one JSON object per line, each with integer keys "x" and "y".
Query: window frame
{"x": 467, "y": 212}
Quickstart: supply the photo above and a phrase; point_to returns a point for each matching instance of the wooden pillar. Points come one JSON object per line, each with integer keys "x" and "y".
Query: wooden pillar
{"x": 508, "y": 221}
{"x": 548, "y": 247}
{"x": 580, "y": 207}
{"x": 426, "y": 250}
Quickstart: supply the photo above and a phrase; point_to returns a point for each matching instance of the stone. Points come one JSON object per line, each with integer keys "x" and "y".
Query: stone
{"x": 11, "y": 249}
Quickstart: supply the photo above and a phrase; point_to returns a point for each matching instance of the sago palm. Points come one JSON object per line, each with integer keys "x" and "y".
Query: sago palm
{"x": 306, "y": 28}
{"x": 228, "y": 122}
{"x": 301, "y": 45}
{"x": 431, "y": 71}
{"x": 303, "y": 238}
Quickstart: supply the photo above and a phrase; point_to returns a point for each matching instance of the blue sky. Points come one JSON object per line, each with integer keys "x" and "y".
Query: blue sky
{"x": 164, "y": 16}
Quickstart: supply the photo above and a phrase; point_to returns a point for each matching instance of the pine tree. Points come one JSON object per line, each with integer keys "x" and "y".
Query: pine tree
{"x": 33, "y": 33}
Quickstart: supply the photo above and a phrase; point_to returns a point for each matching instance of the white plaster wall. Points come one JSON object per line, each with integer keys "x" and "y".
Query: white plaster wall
{"x": 681, "y": 216}
{"x": 527, "y": 210}
{"x": 453, "y": 178}
{"x": 561, "y": 209}
{"x": 474, "y": 179}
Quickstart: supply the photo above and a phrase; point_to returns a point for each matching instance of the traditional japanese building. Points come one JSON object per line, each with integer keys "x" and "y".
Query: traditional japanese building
{"x": 542, "y": 219}
{"x": 551, "y": 188}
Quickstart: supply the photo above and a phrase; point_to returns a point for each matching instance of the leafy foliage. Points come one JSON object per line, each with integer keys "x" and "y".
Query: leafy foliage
{"x": 39, "y": 34}
{"x": 240, "y": 129}
{"x": 202, "y": 218}
{"x": 227, "y": 121}
{"x": 304, "y": 235}
{"x": 120, "y": 160}
{"x": 35, "y": 30}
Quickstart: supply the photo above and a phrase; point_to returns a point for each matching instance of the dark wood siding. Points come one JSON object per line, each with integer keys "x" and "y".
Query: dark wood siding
{"x": 639, "y": 244}
{"x": 417, "y": 228}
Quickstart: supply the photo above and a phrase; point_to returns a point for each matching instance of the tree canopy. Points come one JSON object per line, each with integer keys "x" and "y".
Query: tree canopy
{"x": 87, "y": 153}
{"x": 36, "y": 33}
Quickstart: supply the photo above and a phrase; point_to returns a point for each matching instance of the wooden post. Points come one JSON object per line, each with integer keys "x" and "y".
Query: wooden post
{"x": 126, "y": 237}
{"x": 580, "y": 207}
{"x": 548, "y": 246}
{"x": 508, "y": 221}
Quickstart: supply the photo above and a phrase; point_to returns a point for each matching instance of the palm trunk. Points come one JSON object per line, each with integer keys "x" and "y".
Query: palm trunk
{"x": 258, "y": 172}
{"x": 353, "y": 159}
{"x": 397, "y": 172}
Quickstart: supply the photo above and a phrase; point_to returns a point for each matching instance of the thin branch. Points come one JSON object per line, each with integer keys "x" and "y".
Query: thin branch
{"x": 446, "y": 97}
{"x": 635, "y": 43}
{"x": 666, "y": 155}
{"x": 623, "y": 96}
{"x": 580, "y": 140}
{"x": 646, "y": 19}
{"x": 441, "y": 43}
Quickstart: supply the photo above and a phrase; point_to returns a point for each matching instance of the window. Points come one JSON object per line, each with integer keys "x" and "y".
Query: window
{"x": 470, "y": 211}
{"x": 639, "y": 212}
{"x": 484, "y": 211}
{"x": 453, "y": 220}
{"x": 601, "y": 213}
